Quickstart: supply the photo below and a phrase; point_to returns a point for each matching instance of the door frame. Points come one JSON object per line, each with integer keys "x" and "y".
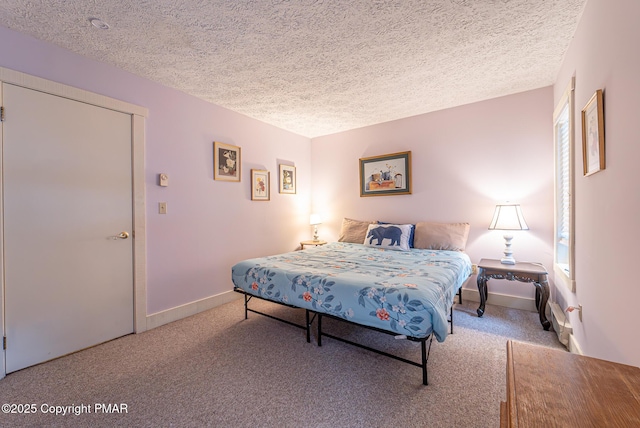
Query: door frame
{"x": 138, "y": 116}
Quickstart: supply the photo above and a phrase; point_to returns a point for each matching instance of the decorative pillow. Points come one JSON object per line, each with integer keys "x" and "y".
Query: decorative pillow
{"x": 413, "y": 228}
{"x": 441, "y": 236}
{"x": 353, "y": 231}
{"x": 388, "y": 236}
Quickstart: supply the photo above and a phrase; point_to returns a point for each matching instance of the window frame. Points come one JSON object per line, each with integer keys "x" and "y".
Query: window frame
{"x": 564, "y": 269}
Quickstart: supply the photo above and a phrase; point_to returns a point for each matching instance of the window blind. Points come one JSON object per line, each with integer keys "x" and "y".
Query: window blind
{"x": 563, "y": 176}
{"x": 564, "y": 211}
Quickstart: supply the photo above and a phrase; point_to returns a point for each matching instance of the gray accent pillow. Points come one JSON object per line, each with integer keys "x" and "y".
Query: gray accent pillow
{"x": 353, "y": 231}
{"x": 441, "y": 236}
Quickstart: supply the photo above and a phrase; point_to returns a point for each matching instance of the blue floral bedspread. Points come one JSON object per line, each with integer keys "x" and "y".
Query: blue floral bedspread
{"x": 404, "y": 292}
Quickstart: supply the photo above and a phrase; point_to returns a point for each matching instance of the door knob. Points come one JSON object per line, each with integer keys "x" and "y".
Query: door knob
{"x": 123, "y": 235}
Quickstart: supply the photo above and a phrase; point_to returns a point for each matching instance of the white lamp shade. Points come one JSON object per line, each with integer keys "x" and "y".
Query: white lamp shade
{"x": 508, "y": 217}
{"x": 315, "y": 219}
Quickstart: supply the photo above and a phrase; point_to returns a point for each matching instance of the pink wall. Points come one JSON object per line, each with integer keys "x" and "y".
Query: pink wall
{"x": 210, "y": 224}
{"x": 464, "y": 161}
{"x": 604, "y": 55}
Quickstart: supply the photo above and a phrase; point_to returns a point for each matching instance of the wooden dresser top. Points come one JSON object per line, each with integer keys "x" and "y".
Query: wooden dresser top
{"x": 549, "y": 387}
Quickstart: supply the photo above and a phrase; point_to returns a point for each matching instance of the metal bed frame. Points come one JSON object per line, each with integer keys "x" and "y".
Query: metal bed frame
{"x": 424, "y": 351}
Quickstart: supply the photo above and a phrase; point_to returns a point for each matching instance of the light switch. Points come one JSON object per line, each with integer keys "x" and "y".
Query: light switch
{"x": 162, "y": 207}
{"x": 164, "y": 180}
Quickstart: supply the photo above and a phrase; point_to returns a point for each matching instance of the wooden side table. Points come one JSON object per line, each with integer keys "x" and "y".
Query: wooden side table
{"x": 523, "y": 272}
{"x": 311, "y": 242}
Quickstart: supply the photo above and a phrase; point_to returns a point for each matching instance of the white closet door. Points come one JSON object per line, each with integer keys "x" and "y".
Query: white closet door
{"x": 67, "y": 193}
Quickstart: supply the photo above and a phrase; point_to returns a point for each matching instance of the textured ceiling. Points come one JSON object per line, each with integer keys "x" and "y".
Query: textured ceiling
{"x": 317, "y": 67}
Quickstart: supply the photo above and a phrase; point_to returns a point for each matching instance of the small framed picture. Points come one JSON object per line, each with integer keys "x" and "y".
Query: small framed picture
{"x": 386, "y": 175}
{"x": 287, "y": 179}
{"x": 593, "y": 135}
{"x": 259, "y": 185}
{"x": 226, "y": 162}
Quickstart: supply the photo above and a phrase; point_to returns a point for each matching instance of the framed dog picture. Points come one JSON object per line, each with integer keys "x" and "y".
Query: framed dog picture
{"x": 386, "y": 175}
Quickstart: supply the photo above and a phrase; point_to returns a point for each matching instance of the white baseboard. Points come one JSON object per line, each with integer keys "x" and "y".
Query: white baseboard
{"x": 574, "y": 348}
{"x": 183, "y": 311}
{"x": 515, "y": 302}
{"x": 561, "y": 325}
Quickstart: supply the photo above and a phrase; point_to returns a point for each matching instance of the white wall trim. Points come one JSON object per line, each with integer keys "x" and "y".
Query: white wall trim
{"x": 515, "y": 302}
{"x": 139, "y": 225}
{"x": 54, "y": 88}
{"x": 138, "y": 114}
{"x": 574, "y": 347}
{"x": 188, "y": 309}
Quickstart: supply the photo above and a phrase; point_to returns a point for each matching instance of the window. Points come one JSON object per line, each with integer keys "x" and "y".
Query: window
{"x": 564, "y": 214}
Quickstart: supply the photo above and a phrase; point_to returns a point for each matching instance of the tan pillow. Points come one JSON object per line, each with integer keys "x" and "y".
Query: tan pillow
{"x": 353, "y": 231}
{"x": 441, "y": 236}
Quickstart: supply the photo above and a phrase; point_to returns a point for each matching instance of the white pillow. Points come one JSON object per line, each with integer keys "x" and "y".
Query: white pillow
{"x": 388, "y": 236}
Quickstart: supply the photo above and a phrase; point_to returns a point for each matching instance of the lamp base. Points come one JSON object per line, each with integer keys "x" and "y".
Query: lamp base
{"x": 508, "y": 254}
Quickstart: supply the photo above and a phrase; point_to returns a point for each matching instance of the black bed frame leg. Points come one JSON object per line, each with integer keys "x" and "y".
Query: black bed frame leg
{"x": 319, "y": 329}
{"x": 451, "y": 315}
{"x": 308, "y": 328}
{"x": 246, "y": 304}
{"x": 425, "y": 380}
{"x": 451, "y": 311}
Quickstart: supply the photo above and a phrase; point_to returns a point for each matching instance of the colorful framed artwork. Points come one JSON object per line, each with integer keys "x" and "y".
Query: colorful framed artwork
{"x": 226, "y": 162}
{"x": 259, "y": 185}
{"x": 386, "y": 175}
{"x": 593, "y": 135}
{"x": 287, "y": 179}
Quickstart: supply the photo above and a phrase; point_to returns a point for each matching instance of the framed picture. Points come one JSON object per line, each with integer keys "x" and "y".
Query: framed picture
{"x": 259, "y": 185}
{"x": 226, "y": 162}
{"x": 386, "y": 175}
{"x": 287, "y": 179}
{"x": 593, "y": 134}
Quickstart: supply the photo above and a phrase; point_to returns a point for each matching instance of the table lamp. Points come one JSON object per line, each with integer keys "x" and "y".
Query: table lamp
{"x": 508, "y": 217}
{"x": 314, "y": 220}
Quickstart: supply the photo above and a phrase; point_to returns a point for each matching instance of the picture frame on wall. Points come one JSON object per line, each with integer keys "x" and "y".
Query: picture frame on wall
{"x": 260, "y": 185}
{"x": 593, "y": 135}
{"x": 386, "y": 175}
{"x": 226, "y": 162}
{"x": 287, "y": 181}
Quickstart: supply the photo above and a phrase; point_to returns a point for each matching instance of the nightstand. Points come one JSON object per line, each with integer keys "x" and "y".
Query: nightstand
{"x": 314, "y": 243}
{"x": 523, "y": 272}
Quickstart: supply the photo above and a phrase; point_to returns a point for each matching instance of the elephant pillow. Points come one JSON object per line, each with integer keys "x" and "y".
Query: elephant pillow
{"x": 388, "y": 236}
{"x": 413, "y": 228}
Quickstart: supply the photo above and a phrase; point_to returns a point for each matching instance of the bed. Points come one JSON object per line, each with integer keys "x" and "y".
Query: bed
{"x": 408, "y": 294}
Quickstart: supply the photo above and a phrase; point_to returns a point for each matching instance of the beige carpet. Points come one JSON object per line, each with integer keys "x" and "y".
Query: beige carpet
{"x": 217, "y": 369}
